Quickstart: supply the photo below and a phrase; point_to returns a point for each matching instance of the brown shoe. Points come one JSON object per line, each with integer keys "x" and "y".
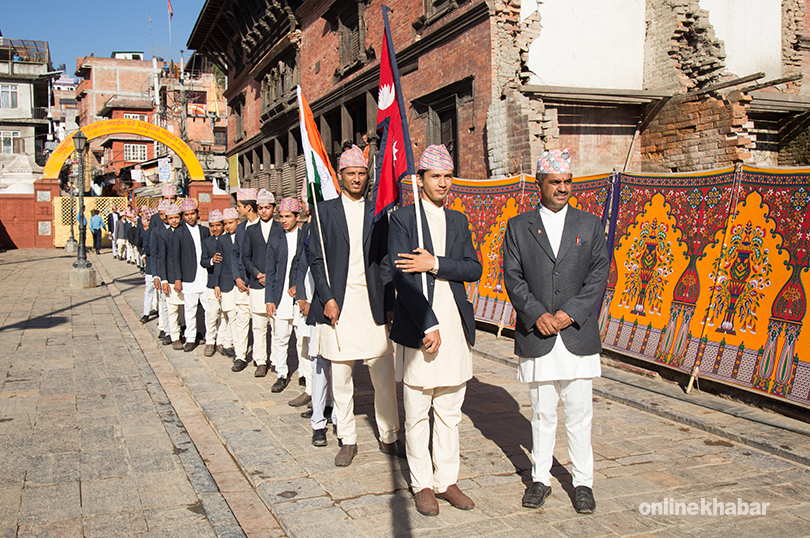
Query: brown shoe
{"x": 397, "y": 448}
{"x": 190, "y": 346}
{"x": 457, "y": 498}
{"x": 209, "y": 350}
{"x": 302, "y": 400}
{"x": 426, "y": 503}
{"x": 261, "y": 371}
{"x": 345, "y": 455}
{"x": 178, "y": 345}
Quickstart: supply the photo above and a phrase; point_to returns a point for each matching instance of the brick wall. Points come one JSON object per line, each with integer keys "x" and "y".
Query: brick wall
{"x": 698, "y": 135}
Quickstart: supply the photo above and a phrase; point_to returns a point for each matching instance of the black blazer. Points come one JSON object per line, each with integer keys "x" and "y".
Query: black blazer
{"x": 574, "y": 281}
{"x": 209, "y": 248}
{"x": 158, "y": 245}
{"x": 276, "y": 263}
{"x": 303, "y": 267}
{"x": 237, "y": 266}
{"x": 182, "y": 257}
{"x": 336, "y": 243}
{"x": 223, "y": 271}
{"x": 254, "y": 252}
{"x": 413, "y": 313}
{"x": 112, "y": 218}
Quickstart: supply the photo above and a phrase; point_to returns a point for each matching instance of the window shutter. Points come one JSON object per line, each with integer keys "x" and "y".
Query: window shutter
{"x": 18, "y": 146}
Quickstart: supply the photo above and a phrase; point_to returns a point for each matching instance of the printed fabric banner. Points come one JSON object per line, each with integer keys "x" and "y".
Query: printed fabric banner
{"x": 489, "y": 204}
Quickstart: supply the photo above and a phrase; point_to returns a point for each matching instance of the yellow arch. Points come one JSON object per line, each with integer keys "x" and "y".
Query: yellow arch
{"x": 136, "y": 127}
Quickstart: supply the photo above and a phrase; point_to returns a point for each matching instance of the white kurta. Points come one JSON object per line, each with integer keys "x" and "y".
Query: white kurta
{"x": 287, "y": 308}
{"x": 559, "y": 364}
{"x": 451, "y": 365}
{"x": 360, "y": 337}
{"x": 200, "y": 282}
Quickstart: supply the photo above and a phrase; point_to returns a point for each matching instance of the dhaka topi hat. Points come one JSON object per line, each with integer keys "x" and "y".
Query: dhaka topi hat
{"x": 215, "y": 216}
{"x": 163, "y": 205}
{"x": 173, "y": 209}
{"x": 168, "y": 190}
{"x": 352, "y": 158}
{"x": 436, "y": 157}
{"x": 230, "y": 213}
{"x": 555, "y": 161}
{"x": 290, "y": 204}
{"x": 265, "y": 197}
{"x": 188, "y": 204}
{"x": 246, "y": 194}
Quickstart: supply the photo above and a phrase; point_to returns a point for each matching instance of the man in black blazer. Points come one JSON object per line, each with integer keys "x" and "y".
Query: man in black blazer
{"x": 246, "y": 207}
{"x": 435, "y": 330}
{"x": 254, "y": 257}
{"x": 354, "y": 300}
{"x": 112, "y": 218}
{"x": 555, "y": 269}
{"x": 217, "y": 332}
{"x": 283, "y": 248}
{"x": 158, "y": 224}
{"x": 224, "y": 286}
{"x": 189, "y": 277}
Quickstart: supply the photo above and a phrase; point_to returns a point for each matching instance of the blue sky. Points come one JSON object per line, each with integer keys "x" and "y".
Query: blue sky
{"x": 76, "y": 29}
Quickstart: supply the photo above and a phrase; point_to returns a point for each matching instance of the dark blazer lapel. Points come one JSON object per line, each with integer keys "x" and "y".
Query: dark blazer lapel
{"x": 366, "y": 223}
{"x": 342, "y": 224}
{"x": 425, "y": 228}
{"x": 538, "y": 231}
{"x": 569, "y": 235}
{"x": 450, "y": 232}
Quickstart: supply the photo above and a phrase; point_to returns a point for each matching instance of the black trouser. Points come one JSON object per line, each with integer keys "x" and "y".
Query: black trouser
{"x": 97, "y": 240}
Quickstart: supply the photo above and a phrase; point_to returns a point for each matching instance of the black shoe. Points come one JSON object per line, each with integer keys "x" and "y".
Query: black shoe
{"x": 144, "y": 319}
{"x": 190, "y": 346}
{"x": 161, "y": 335}
{"x": 536, "y": 495}
{"x": 280, "y": 384}
{"x": 167, "y": 340}
{"x": 302, "y": 381}
{"x": 238, "y": 365}
{"x": 153, "y": 313}
{"x": 319, "y": 437}
{"x": 307, "y": 413}
{"x": 584, "y": 502}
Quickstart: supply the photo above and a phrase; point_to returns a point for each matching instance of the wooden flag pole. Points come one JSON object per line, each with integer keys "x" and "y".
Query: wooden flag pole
{"x": 323, "y": 252}
{"x": 419, "y": 232}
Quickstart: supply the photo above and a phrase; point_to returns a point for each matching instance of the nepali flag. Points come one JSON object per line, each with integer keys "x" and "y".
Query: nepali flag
{"x": 395, "y": 156}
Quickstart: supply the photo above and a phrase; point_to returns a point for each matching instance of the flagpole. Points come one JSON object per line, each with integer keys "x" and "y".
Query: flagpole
{"x": 323, "y": 251}
{"x": 420, "y": 236}
{"x": 171, "y": 59}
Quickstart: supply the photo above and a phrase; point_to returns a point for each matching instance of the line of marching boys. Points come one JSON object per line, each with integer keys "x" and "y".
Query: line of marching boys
{"x": 351, "y": 286}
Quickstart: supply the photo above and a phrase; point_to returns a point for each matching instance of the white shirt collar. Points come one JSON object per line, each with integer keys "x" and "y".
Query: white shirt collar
{"x": 559, "y": 215}
{"x": 430, "y": 207}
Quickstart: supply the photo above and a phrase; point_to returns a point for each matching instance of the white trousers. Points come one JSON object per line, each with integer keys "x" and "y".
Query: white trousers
{"x": 241, "y": 325}
{"x": 217, "y": 331}
{"x": 190, "y": 301}
{"x": 121, "y": 245}
{"x": 148, "y": 294}
{"x": 304, "y": 361}
{"x": 441, "y": 471}
{"x": 321, "y": 392}
{"x": 577, "y": 398}
{"x": 385, "y": 398}
{"x": 163, "y": 310}
{"x": 260, "y": 324}
{"x": 173, "y": 319}
{"x": 282, "y": 330}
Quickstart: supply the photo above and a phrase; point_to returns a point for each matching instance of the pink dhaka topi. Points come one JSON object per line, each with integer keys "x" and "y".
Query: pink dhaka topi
{"x": 436, "y": 157}
{"x": 555, "y": 161}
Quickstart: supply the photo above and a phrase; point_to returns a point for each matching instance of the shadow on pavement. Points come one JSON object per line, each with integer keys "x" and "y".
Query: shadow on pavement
{"x": 45, "y": 321}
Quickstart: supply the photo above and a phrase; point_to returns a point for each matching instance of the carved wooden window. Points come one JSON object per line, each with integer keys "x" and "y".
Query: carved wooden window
{"x": 237, "y": 111}
{"x": 435, "y": 10}
{"x": 347, "y": 18}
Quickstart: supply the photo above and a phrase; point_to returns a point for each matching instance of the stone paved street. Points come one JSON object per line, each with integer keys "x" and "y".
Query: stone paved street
{"x": 91, "y": 444}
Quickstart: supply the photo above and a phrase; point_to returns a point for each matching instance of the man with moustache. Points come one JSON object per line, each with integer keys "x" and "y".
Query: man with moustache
{"x": 217, "y": 332}
{"x": 555, "y": 269}
{"x": 247, "y": 208}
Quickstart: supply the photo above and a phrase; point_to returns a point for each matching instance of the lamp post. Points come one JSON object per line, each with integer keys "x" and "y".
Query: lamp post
{"x": 80, "y": 142}
{"x": 71, "y": 245}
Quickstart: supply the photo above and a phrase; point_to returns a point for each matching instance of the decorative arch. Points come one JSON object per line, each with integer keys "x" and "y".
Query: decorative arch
{"x": 136, "y": 127}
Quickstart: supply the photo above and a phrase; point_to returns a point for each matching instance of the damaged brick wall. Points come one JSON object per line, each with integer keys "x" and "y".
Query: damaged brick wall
{"x": 793, "y": 13}
{"x": 698, "y": 135}
{"x": 681, "y": 50}
{"x": 518, "y": 128}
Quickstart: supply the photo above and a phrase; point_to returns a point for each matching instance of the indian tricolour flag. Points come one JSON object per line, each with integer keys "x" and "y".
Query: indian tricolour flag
{"x": 323, "y": 184}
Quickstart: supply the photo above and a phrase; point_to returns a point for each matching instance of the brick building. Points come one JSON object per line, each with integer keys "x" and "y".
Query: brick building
{"x": 331, "y": 48}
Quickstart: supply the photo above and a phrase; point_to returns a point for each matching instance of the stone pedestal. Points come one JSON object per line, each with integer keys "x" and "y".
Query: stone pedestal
{"x": 72, "y": 246}
{"x": 82, "y": 277}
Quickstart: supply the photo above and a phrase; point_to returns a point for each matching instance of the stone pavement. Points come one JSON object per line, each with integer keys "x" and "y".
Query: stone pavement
{"x": 642, "y": 457}
{"x": 89, "y": 443}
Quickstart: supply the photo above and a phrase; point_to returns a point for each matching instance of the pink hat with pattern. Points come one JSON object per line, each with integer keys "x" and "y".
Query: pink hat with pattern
{"x": 230, "y": 213}
{"x": 246, "y": 194}
{"x": 188, "y": 204}
{"x": 163, "y": 205}
{"x": 173, "y": 209}
{"x": 352, "y": 158}
{"x": 556, "y": 161}
{"x": 215, "y": 216}
{"x": 265, "y": 197}
{"x": 168, "y": 190}
{"x": 436, "y": 157}
{"x": 290, "y": 204}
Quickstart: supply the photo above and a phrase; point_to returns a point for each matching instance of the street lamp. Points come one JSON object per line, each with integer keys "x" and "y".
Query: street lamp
{"x": 80, "y": 142}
